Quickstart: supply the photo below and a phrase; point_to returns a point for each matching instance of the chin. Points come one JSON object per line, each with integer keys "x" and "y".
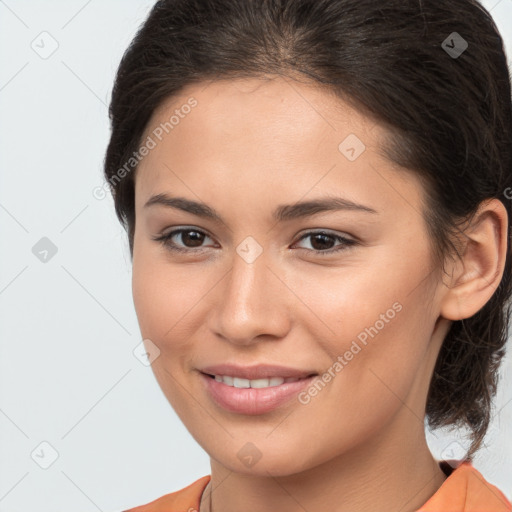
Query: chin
{"x": 270, "y": 462}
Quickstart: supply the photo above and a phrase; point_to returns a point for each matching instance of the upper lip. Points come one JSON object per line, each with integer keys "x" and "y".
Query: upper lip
{"x": 260, "y": 371}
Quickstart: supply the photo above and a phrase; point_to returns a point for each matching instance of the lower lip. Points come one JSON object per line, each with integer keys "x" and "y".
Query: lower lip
{"x": 253, "y": 400}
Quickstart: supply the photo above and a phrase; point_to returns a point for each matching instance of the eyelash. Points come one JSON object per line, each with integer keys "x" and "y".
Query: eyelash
{"x": 165, "y": 240}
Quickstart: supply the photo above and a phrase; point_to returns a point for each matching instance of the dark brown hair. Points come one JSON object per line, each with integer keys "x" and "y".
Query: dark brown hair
{"x": 449, "y": 116}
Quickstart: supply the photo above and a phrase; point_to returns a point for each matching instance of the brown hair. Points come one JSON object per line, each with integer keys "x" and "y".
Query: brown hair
{"x": 402, "y": 62}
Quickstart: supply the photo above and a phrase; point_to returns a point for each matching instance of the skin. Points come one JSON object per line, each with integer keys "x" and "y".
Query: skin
{"x": 247, "y": 147}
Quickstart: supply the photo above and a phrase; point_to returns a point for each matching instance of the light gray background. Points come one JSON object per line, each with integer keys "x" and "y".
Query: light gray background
{"x": 68, "y": 375}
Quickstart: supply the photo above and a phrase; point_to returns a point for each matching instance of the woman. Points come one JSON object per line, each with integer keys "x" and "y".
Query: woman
{"x": 315, "y": 196}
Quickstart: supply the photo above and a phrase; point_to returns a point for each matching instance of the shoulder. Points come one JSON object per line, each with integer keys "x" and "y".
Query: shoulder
{"x": 184, "y": 500}
{"x": 466, "y": 490}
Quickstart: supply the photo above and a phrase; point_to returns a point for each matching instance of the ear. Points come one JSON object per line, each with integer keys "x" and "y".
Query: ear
{"x": 475, "y": 277}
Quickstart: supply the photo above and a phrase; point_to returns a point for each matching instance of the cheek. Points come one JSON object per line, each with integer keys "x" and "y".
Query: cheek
{"x": 343, "y": 302}
{"x": 158, "y": 296}
{"x": 373, "y": 325}
{"x": 169, "y": 300}
{"x": 149, "y": 299}
{"x": 161, "y": 303}
{"x": 384, "y": 291}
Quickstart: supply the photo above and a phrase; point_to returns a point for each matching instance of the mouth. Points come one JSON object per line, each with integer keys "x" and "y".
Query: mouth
{"x": 250, "y": 394}
{"x": 261, "y": 383}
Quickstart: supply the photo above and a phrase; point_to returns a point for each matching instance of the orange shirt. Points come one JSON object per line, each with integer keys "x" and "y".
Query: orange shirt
{"x": 464, "y": 490}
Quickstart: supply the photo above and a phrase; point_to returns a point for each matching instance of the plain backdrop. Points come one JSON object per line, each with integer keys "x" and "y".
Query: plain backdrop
{"x": 83, "y": 423}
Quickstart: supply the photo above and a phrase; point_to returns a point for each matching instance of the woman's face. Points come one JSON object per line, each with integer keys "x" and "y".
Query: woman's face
{"x": 257, "y": 285}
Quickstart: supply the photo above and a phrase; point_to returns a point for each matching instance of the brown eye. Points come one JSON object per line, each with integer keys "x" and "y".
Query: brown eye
{"x": 322, "y": 242}
{"x": 183, "y": 239}
{"x": 191, "y": 238}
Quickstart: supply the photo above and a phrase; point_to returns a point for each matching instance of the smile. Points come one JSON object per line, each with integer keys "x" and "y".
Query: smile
{"x": 238, "y": 382}
{"x": 253, "y": 396}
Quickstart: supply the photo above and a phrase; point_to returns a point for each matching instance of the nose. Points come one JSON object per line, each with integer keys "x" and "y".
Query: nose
{"x": 253, "y": 303}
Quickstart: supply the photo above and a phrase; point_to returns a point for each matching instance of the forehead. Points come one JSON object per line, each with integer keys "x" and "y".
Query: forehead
{"x": 261, "y": 133}
{"x": 272, "y": 107}
{"x": 254, "y": 116}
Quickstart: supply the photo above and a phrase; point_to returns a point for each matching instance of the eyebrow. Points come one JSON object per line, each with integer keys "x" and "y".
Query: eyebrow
{"x": 282, "y": 213}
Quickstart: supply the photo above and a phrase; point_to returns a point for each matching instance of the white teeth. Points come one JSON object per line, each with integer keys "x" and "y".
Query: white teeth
{"x": 238, "y": 382}
{"x": 260, "y": 383}
{"x": 275, "y": 381}
{"x": 241, "y": 383}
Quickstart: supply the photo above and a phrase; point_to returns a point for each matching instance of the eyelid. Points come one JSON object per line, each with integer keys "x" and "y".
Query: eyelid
{"x": 178, "y": 229}
{"x": 329, "y": 232}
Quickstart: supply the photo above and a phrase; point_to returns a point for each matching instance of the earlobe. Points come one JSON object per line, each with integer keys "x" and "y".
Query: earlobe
{"x": 478, "y": 272}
